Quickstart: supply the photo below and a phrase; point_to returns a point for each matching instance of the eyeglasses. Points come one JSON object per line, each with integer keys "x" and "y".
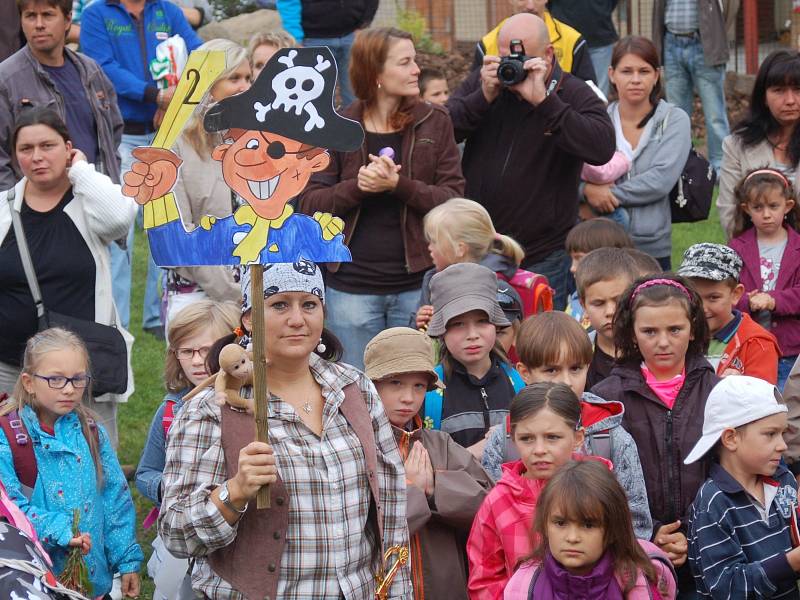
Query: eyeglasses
{"x": 188, "y": 353}
{"x": 59, "y": 382}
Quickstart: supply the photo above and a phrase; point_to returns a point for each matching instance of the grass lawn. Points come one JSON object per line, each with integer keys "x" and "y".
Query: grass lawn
{"x": 135, "y": 416}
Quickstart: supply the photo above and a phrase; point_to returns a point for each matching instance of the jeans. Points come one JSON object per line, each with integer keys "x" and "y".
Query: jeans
{"x": 556, "y": 268}
{"x": 685, "y": 71}
{"x": 785, "y": 364}
{"x": 601, "y": 60}
{"x": 357, "y": 318}
{"x": 121, "y": 260}
{"x": 340, "y": 47}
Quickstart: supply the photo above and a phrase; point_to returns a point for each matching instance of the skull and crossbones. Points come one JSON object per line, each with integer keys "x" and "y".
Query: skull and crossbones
{"x": 296, "y": 88}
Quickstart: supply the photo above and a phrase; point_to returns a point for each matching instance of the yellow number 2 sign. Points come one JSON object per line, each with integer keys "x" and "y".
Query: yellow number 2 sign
{"x": 200, "y": 71}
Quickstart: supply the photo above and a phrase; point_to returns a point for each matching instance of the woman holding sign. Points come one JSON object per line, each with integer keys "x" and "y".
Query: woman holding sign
{"x": 336, "y": 478}
{"x": 408, "y": 164}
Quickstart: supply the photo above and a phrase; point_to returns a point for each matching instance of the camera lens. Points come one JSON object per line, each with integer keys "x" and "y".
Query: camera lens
{"x": 506, "y": 72}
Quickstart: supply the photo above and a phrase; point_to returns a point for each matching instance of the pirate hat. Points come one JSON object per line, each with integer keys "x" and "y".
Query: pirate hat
{"x": 293, "y": 97}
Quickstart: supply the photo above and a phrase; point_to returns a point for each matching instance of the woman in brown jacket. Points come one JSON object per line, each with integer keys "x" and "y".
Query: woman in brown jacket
{"x": 408, "y": 164}
{"x": 445, "y": 484}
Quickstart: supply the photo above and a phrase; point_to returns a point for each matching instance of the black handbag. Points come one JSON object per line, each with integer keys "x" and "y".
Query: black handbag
{"x": 108, "y": 353}
{"x": 690, "y": 199}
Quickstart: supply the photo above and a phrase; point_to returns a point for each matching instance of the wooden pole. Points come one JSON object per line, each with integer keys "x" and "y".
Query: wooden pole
{"x": 260, "y": 389}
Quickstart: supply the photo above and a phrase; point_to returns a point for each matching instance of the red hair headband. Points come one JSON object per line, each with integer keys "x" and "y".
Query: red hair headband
{"x": 652, "y": 282}
{"x": 773, "y": 172}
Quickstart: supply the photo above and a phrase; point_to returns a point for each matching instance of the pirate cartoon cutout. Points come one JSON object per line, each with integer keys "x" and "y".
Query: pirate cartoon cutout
{"x": 275, "y": 136}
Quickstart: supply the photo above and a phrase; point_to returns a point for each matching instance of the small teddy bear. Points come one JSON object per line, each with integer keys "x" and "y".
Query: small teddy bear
{"x": 235, "y": 372}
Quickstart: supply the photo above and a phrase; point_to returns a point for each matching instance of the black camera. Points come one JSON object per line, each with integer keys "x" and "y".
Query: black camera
{"x": 511, "y": 69}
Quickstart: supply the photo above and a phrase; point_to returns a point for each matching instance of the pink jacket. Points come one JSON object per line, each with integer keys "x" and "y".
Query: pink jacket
{"x": 501, "y": 532}
{"x": 519, "y": 585}
{"x": 786, "y": 316}
{"x": 607, "y": 173}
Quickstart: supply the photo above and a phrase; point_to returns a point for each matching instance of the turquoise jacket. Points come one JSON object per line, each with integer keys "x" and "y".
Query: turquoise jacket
{"x": 67, "y": 481}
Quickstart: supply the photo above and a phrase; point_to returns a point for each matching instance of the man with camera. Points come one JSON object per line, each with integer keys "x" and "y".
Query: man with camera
{"x": 529, "y": 127}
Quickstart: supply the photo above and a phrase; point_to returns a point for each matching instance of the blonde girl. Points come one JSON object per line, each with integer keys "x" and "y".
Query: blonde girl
{"x": 582, "y": 533}
{"x": 264, "y": 45}
{"x": 192, "y": 333}
{"x": 461, "y": 230}
{"x": 766, "y": 237}
{"x": 77, "y": 468}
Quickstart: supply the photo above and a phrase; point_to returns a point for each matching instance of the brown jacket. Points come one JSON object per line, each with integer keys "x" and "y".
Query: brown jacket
{"x": 439, "y": 525}
{"x": 430, "y": 175}
{"x": 252, "y": 562}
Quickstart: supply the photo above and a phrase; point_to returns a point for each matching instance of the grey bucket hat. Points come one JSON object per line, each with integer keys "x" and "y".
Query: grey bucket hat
{"x": 461, "y": 288}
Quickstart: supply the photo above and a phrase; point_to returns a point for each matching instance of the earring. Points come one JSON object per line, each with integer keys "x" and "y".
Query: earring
{"x": 379, "y": 86}
{"x": 321, "y": 347}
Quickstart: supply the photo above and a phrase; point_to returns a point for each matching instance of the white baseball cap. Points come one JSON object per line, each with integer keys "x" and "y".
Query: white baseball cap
{"x": 735, "y": 401}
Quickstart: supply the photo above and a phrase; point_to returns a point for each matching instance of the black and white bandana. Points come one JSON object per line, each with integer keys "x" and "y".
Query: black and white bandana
{"x": 714, "y": 262}
{"x": 301, "y": 276}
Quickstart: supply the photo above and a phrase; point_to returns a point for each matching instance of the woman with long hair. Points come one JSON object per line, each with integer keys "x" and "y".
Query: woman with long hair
{"x": 768, "y": 135}
{"x": 408, "y": 164}
{"x": 201, "y": 190}
{"x": 655, "y": 136}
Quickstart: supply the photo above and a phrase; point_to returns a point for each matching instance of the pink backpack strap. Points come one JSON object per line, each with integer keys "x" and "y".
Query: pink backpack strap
{"x": 519, "y": 586}
{"x": 168, "y": 417}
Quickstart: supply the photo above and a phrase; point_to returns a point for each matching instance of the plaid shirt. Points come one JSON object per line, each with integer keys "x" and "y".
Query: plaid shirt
{"x": 681, "y": 16}
{"x": 329, "y": 551}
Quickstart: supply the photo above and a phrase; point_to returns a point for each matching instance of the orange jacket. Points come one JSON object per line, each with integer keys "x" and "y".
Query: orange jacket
{"x": 751, "y": 351}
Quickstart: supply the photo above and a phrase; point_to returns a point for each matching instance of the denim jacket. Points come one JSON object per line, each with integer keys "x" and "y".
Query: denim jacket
{"x": 67, "y": 481}
{"x": 151, "y": 464}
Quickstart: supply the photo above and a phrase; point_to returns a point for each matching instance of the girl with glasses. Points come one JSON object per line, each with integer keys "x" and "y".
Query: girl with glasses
{"x": 192, "y": 332}
{"x": 75, "y": 464}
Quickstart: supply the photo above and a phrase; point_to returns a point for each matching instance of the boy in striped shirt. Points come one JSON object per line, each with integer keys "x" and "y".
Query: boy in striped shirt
{"x": 740, "y": 545}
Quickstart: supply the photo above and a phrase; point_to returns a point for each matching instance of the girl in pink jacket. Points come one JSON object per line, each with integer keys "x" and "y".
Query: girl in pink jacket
{"x": 546, "y": 427}
{"x": 585, "y": 546}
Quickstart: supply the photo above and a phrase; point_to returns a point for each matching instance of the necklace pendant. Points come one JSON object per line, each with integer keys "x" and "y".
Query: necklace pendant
{"x": 307, "y": 408}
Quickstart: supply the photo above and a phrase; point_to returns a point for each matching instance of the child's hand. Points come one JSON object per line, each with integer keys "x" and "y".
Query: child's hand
{"x": 83, "y": 541}
{"x": 761, "y": 301}
{"x": 424, "y": 315}
{"x": 673, "y": 542}
{"x": 419, "y": 470}
{"x": 130, "y": 585}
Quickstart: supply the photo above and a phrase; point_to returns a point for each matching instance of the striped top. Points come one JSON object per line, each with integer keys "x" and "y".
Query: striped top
{"x": 737, "y": 549}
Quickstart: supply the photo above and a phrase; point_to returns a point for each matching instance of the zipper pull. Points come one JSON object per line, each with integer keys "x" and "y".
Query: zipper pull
{"x": 485, "y": 397}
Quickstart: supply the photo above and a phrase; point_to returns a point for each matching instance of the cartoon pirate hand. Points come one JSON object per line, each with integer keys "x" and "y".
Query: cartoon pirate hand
{"x": 331, "y": 226}
{"x": 207, "y": 222}
{"x": 153, "y": 174}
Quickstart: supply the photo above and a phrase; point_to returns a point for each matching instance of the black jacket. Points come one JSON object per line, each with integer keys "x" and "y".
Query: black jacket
{"x": 523, "y": 162}
{"x": 593, "y": 18}
{"x": 335, "y": 18}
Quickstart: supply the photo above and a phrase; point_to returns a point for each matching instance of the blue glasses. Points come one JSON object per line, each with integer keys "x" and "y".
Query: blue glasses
{"x": 59, "y": 382}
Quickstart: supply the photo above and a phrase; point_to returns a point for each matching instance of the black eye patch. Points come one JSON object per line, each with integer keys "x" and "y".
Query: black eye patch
{"x": 276, "y": 150}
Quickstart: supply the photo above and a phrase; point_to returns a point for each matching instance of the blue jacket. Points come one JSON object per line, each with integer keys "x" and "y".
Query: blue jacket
{"x": 109, "y": 35}
{"x": 301, "y": 237}
{"x": 154, "y": 455}
{"x": 67, "y": 481}
{"x": 733, "y": 552}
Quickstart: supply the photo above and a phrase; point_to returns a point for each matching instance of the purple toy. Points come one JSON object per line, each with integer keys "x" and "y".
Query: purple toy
{"x": 387, "y": 151}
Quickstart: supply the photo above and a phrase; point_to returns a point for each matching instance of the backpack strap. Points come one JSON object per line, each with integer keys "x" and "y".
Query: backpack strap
{"x": 21, "y": 450}
{"x": 433, "y": 404}
{"x": 516, "y": 379}
{"x": 168, "y": 417}
{"x": 600, "y": 443}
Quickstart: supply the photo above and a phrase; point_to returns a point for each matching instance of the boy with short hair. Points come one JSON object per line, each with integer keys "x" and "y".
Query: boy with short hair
{"x": 433, "y": 86}
{"x": 645, "y": 264}
{"x": 739, "y": 538}
{"x": 581, "y": 240}
{"x": 739, "y": 345}
{"x": 602, "y": 277}
{"x": 445, "y": 483}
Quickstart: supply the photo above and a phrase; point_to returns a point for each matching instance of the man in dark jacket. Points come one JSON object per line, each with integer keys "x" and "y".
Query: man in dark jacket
{"x": 330, "y": 23}
{"x": 526, "y": 145}
{"x": 45, "y": 73}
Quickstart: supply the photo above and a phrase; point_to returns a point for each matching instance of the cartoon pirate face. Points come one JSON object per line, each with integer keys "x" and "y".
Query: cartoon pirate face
{"x": 267, "y": 169}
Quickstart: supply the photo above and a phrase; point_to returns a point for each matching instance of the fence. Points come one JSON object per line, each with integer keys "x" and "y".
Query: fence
{"x": 451, "y": 22}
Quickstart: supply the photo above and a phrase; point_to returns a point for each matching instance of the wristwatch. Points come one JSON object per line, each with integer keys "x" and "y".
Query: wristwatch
{"x": 225, "y": 498}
